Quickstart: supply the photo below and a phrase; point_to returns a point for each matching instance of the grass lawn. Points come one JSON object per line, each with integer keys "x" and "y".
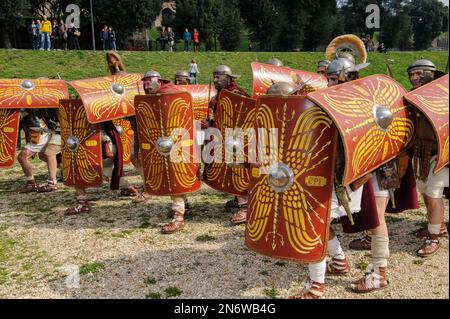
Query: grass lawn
{"x": 71, "y": 65}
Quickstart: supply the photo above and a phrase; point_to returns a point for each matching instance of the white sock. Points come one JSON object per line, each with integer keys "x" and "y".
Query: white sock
{"x": 317, "y": 271}
{"x": 434, "y": 229}
{"x": 30, "y": 178}
{"x": 335, "y": 249}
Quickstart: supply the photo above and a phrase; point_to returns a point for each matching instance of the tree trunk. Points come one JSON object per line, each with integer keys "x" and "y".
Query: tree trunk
{"x": 5, "y": 39}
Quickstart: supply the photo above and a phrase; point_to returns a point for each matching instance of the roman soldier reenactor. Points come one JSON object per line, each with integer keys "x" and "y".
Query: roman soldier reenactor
{"x": 182, "y": 78}
{"x": 224, "y": 79}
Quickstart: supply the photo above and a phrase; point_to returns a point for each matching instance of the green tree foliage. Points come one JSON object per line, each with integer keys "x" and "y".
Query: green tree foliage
{"x": 11, "y": 15}
{"x": 427, "y": 21}
{"x": 230, "y": 26}
{"x": 204, "y": 15}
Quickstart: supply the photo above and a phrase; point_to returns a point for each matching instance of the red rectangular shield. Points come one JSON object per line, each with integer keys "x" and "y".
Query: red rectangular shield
{"x": 167, "y": 138}
{"x": 9, "y": 129}
{"x": 432, "y": 101}
{"x": 110, "y": 97}
{"x": 289, "y": 217}
{"x": 201, "y": 94}
{"x": 31, "y": 93}
{"x": 127, "y": 139}
{"x": 373, "y": 120}
{"x": 81, "y": 147}
{"x": 264, "y": 75}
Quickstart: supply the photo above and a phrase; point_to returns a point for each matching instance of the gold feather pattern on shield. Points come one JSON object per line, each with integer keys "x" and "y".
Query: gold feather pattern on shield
{"x": 176, "y": 122}
{"x": 151, "y": 133}
{"x": 46, "y": 93}
{"x": 6, "y": 142}
{"x": 82, "y": 158}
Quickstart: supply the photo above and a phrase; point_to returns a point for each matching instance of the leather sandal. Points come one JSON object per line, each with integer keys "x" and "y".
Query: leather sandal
{"x": 47, "y": 188}
{"x": 29, "y": 187}
{"x": 430, "y": 246}
{"x": 240, "y": 217}
{"x": 129, "y": 192}
{"x": 313, "y": 290}
{"x": 80, "y": 206}
{"x": 175, "y": 225}
{"x": 338, "y": 267}
{"x": 372, "y": 280}
{"x": 141, "y": 198}
{"x": 364, "y": 243}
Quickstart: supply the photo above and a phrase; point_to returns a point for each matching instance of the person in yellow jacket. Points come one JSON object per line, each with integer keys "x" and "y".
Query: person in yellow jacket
{"x": 46, "y": 30}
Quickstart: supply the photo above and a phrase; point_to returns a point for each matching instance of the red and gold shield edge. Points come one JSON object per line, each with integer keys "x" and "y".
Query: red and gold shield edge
{"x": 264, "y": 75}
{"x": 83, "y": 167}
{"x": 292, "y": 224}
{"x": 352, "y": 106}
{"x": 432, "y": 101}
{"x": 233, "y": 111}
{"x": 127, "y": 139}
{"x": 9, "y": 127}
{"x": 32, "y": 93}
{"x": 201, "y": 94}
{"x": 110, "y": 97}
{"x": 168, "y": 116}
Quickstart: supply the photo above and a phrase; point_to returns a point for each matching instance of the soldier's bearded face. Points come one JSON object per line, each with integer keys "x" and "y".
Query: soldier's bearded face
{"x": 415, "y": 78}
{"x": 181, "y": 80}
{"x": 151, "y": 85}
{"x": 221, "y": 81}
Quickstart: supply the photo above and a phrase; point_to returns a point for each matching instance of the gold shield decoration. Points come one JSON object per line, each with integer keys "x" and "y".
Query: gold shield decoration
{"x": 374, "y": 122}
{"x": 166, "y": 136}
{"x": 432, "y": 101}
{"x": 32, "y": 93}
{"x": 264, "y": 75}
{"x": 234, "y": 118}
{"x": 201, "y": 94}
{"x": 9, "y": 126}
{"x": 81, "y": 146}
{"x": 126, "y": 137}
{"x": 291, "y": 185}
{"x": 110, "y": 97}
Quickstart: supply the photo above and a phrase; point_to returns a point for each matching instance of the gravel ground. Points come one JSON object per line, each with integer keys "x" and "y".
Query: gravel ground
{"x": 117, "y": 251}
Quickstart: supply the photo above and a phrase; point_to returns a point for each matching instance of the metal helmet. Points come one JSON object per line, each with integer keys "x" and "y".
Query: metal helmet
{"x": 346, "y": 55}
{"x": 151, "y": 74}
{"x": 275, "y": 62}
{"x": 422, "y": 64}
{"x": 339, "y": 65}
{"x": 283, "y": 88}
{"x": 182, "y": 73}
{"x": 225, "y": 70}
{"x": 324, "y": 63}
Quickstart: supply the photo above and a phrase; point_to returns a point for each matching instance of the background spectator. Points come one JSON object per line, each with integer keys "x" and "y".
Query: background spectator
{"x": 187, "y": 37}
{"x": 170, "y": 39}
{"x": 112, "y": 39}
{"x": 55, "y": 36}
{"x": 38, "y": 34}
{"x": 104, "y": 38}
{"x": 62, "y": 35}
{"x": 196, "y": 41}
{"x": 193, "y": 71}
{"x": 46, "y": 30}
{"x": 32, "y": 30}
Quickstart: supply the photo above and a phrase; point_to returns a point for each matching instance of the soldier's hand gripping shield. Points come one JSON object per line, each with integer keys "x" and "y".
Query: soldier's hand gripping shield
{"x": 229, "y": 151}
{"x": 291, "y": 185}
{"x": 168, "y": 145}
{"x": 432, "y": 102}
{"x": 16, "y": 94}
{"x": 81, "y": 146}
